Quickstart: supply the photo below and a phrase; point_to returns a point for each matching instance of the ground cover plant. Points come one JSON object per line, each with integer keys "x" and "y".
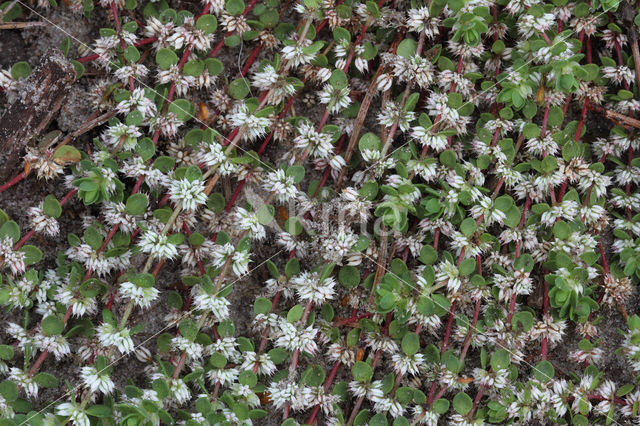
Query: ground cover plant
{"x": 321, "y": 212}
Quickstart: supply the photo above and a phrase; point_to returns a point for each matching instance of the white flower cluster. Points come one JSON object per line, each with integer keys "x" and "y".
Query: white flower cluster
{"x": 157, "y": 245}
{"x": 190, "y": 193}
{"x": 253, "y": 127}
{"x": 42, "y": 223}
{"x": 12, "y": 259}
{"x": 141, "y": 296}
{"x": 109, "y": 336}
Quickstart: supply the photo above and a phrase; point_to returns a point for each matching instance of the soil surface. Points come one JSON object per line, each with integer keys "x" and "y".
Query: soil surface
{"x": 29, "y": 45}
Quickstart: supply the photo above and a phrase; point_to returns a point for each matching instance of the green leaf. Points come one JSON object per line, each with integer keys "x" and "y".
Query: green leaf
{"x": 182, "y": 108}
{"x": 441, "y": 406}
{"x": 270, "y": 18}
{"x": 468, "y": 227}
{"x": 239, "y": 88}
{"x": 217, "y": 360}
{"x": 207, "y": 23}
{"x": 262, "y": 305}
{"x": 407, "y": 48}
{"x": 338, "y": 79}
{"x": 369, "y": 190}
{"x": 404, "y": 395}
{"x": 13, "y": 13}
{"x": 46, "y": 380}
{"x": 340, "y": 34}
{"x": 548, "y": 164}
{"x": 134, "y": 118}
{"x": 428, "y": 255}
{"x": 146, "y": 148}
{"x": 523, "y": 319}
{"x": 327, "y": 312}
{"x": 66, "y": 154}
{"x": 625, "y": 390}
{"x": 278, "y": 355}
{"x": 257, "y": 414}
{"x": 52, "y": 325}
{"x": 349, "y": 276}
{"x": 380, "y": 419}
{"x": 370, "y": 141}
{"x": 544, "y": 371}
{"x": 248, "y": 378}
{"x": 234, "y": 7}
{"x": 32, "y": 254}
{"x": 295, "y": 314}
{"x": 504, "y": 203}
{"x": 293, "y": 226}
{"x": 188, "y": 329}
{"x": 232, "y": 41}
{"x": 20, "y": 70}
{"x": 9, "y": 390}
{"x": 265, "y": 214}
{"x": 500, "y": 359}
{"x": 131, "y": 54}
{"x": 296, "y": 172}
{"x": 137, "y": 204}
{"x": 100, "y": 411}
{"x": 313, "y": 376}
{"x": 161, "y": 387}
{"x": 193, "y": 68}
{"x": 291, "y": 268}
{"x": 78, "y": 68}
{"x": 410, "y": 343}
{"x": 462, "y": 403}
{"x": 448, "y": 159}
{"x": 467, "y": 266}
{"x": 51, "y": 206}
{"x": 93, "y": 237}
{"x": 165, "y": 58}
{"x": 362, "y": 372}
{"x": 524, "y": 263}
{"x": 561, "y": 230}
{"x": 214, "y": 66}
{"x": 425, "y": 306}
{"x": 6, "y": 352}
{"x": 10, "y": 229}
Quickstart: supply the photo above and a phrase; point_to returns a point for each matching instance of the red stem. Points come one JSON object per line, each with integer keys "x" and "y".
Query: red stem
{"x": 24, "y": 239}
{"x": 251, "y": 59}
{"x": 67, "y": 197}
{"x": 13, "y": 181}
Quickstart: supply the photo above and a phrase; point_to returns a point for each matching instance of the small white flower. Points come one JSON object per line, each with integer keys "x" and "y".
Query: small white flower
{"x": 12, "y": 258}
{"x": 42, "y": 223}
{"x": 310, "y": 287}
{"x": 252, "y": 126}
{"x": 26, "y": 382}
{"x": 296, "y": 56}
{"x": 218, "y": 306}
{"x": 281, "y": 185}
{"x": 317, "y": 145}
{"x": 190, "y": 193}
{"x": 141, "y": 296}
{"x": 76, "y": 414}
{"x": 336, "y": 98}
{"x": 193, "y": 350}
{"x": 122, "y": 136}
{"x": 157, "y": 245}
{"x": 109, "y": 335}
{"x": 96, "y": 380}
{"x": 213, "y": 155}
{"x": 289, "y": 337}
